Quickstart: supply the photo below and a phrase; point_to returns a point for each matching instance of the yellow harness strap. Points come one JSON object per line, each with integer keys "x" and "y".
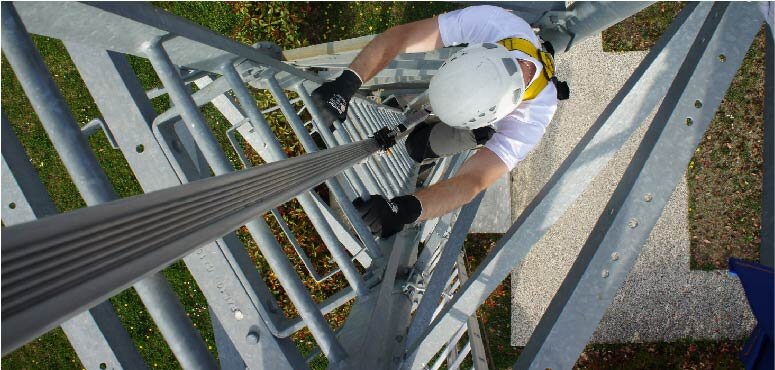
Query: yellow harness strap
{"x": 545, "y": 58}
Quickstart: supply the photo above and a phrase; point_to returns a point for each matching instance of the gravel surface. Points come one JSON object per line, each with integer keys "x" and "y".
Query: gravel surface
{"x": 661, "y": 300}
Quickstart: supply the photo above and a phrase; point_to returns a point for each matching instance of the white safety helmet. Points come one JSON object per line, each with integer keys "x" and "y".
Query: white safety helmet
{"x": 476, "y": 86}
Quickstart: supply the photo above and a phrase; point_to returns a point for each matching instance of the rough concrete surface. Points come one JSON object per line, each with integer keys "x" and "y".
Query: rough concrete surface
{"x": 661, "y": 299}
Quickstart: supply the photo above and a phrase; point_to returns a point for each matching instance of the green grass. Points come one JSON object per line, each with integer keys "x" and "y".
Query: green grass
{"x": 641, "y": 31}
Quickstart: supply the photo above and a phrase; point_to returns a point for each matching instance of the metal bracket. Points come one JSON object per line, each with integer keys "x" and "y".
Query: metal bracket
{"x": 90, "y": 128}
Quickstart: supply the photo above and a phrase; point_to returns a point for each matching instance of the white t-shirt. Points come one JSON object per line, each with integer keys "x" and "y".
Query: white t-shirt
{"x": 520, "y": 131}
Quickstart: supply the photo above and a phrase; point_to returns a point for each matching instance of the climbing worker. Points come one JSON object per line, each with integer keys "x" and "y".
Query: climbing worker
{"x": 499, "y": 93}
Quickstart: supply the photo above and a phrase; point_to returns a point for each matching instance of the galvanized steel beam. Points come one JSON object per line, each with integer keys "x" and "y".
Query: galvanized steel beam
{"x": 442, "y": 270}
{"x": 82, "y": 165}
{"x": 629, "y": 108}
{"x": 238, "y": 298}
{"x": 583, "y": 19}
{"x": 96, "y": 335}
{"x": 658, "y": 165}
{"x": 124, "y": 28}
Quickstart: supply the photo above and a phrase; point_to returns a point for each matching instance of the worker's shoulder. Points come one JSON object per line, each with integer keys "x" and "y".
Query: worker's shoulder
{"x": 494, "y": 18}
{"x": 493, "y": 14}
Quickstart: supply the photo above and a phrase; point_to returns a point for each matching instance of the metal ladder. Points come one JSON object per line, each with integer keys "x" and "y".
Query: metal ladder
{"x": 177, "y": 147}
{"x": 411, "y": 309}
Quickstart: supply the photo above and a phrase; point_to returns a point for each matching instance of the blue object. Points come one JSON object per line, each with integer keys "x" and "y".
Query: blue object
{"x": 757, "y": 280}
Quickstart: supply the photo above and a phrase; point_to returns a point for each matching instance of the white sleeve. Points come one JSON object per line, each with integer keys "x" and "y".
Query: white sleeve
{"x": 477, "y": 24}
{"x": 519, "y": 132}
{"x": 513, "y": 144}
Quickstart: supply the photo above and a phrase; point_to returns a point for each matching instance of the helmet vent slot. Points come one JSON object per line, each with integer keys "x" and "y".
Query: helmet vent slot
{"x": 511, "y": 65}
{"x": 517, "y": 95}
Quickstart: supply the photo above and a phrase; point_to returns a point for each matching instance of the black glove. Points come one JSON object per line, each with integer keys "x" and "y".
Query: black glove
{"x": 387, "y": 217}
{"x": 334, "y": 96}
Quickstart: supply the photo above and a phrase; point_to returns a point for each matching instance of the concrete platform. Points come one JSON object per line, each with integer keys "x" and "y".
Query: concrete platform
{"x": 662, "y": 299}
{"x": 494, "y": 213}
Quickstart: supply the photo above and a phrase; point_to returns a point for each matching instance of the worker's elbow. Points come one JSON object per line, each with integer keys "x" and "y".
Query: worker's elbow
{"x": 473, "y": 188}
{"x": 392, "y": 32}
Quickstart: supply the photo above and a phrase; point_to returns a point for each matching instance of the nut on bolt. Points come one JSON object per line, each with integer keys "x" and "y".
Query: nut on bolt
{"x": 252, "y": 337}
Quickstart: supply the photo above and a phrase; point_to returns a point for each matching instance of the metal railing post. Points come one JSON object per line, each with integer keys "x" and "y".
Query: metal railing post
{"x": 82, "y": 165}
{"x": 96, "y": 335}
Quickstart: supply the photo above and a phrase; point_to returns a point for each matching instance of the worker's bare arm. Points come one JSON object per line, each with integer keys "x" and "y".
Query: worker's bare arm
{"x": 412, "y": 37}
{"x": 478, "y": 173}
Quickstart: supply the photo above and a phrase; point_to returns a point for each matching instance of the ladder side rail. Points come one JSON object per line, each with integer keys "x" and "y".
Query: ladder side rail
{"x": 125, "y": 27}
{"x": 478, "y": 350}
{"x": 444, "y": 224}
{"x": 258, "y": 228}
{"x": 629, "y": 108}
{"x": 651, "y": 177}
{"x": 337, "y": 251}
{"x": 443, "y": 270}
{"x": 442, "y": 357}
{"x": 92, "y": 182}
{"x": 460, "y": 356}
{"x": 238, "y": 298}
{"x": 346, "y": 205}
{"x": 270, "y": 150}
{"x": 96, "y": 335}
{"x": 373, "y": 334}
{"x": 437, "y": 171}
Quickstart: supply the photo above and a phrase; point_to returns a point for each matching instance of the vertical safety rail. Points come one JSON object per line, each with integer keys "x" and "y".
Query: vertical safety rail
{"x": 93, "y": 184}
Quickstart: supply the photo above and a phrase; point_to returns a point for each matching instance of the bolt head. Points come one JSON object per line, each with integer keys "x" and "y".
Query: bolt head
{"x": 648, "y": 197}
{"x": 614, "y": 256}
{"x": 252, "y": 337}
{"x": 633, "y": 223}
{"x": 604, "y": 274}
